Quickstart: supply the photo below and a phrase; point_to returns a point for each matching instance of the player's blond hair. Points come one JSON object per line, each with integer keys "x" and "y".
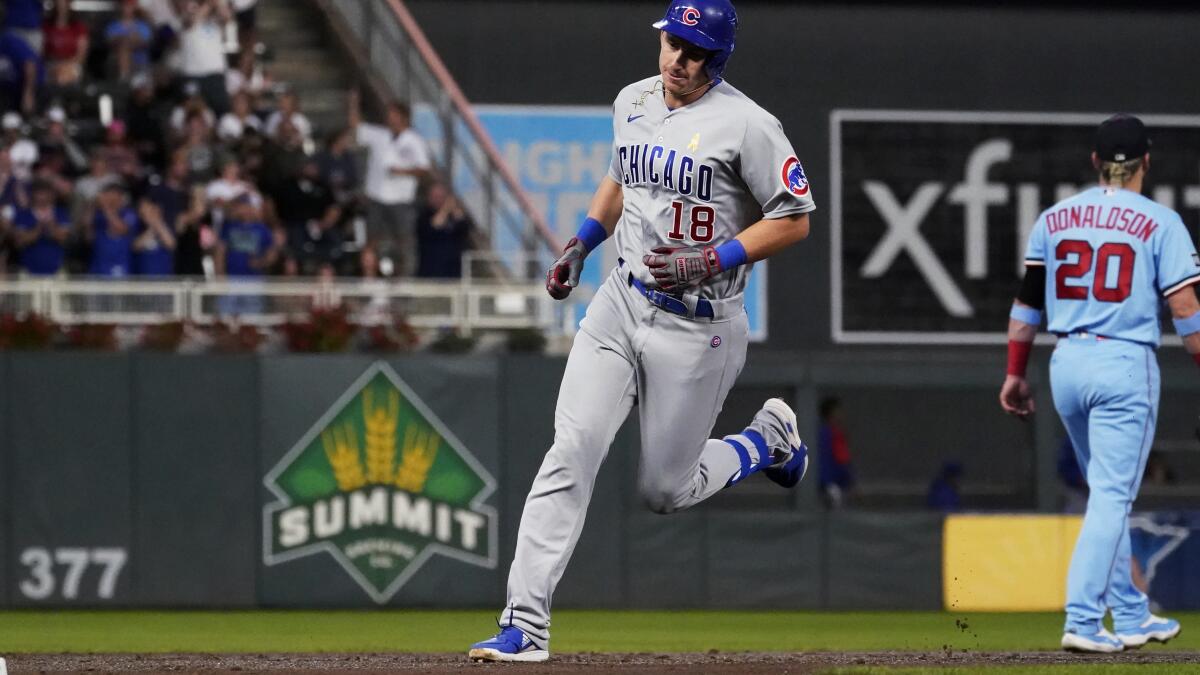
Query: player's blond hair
{"x": 1119, "y": 173}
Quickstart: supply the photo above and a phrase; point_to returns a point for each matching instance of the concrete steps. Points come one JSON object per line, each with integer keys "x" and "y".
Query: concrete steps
{"x": 306, "y": 57}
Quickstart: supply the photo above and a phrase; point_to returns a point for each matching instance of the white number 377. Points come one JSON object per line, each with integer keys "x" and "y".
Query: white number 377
{"x": 41, "y": 581}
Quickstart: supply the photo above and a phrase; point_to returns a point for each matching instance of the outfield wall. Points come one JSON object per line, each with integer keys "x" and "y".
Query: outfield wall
{"x": 342, "y": 481}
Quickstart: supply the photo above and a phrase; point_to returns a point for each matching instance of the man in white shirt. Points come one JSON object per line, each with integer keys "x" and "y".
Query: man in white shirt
{"x": 397, "y": 161}
{"x": 202, "y": 50}
{"x": 289, "y": 109}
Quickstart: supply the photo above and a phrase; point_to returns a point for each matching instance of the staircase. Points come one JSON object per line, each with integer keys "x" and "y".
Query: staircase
{"x": 306, "y": 56}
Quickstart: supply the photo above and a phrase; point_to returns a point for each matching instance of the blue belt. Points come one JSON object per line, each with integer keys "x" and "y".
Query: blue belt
{"x": 669, "y": 302}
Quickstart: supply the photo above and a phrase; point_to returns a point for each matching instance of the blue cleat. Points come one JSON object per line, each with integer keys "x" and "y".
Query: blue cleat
{"x": 1154, "y": 629}
{"x": 1101, "y": 642}
{"x": 510, "y": 644}
{"x": 791, "y": 467}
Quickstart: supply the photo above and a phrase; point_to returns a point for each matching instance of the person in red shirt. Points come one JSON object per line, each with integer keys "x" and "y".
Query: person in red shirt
{"x": 65, "y": 40}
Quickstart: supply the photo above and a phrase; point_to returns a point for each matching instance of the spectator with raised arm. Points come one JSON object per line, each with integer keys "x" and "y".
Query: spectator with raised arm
{"x": 202, "y": 49}
{"x": 40, "y": 232}
{"x": 128, "y": 38}
{"x": 397, "y": 160}
{"x": 443, "y": 230}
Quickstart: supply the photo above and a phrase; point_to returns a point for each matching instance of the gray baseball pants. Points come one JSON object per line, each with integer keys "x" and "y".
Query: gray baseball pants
{"x": 678, "y": 372}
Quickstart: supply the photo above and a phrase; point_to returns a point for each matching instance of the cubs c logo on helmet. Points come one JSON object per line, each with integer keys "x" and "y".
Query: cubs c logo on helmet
{"x": 794, "y": 178}
{"x": 690, "y": 16}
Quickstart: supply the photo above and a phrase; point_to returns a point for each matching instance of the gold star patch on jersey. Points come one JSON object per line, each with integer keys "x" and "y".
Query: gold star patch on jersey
{"x": 695, "y": 144}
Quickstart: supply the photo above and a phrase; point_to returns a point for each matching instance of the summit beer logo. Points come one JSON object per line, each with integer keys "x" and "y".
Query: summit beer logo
{"x": 381, "y": 485}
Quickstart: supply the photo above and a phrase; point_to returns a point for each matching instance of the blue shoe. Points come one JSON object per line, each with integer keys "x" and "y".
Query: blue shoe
{"x": 1154, "y": 629}
{"x": 510, "y": 644}
{"x": 779, "y": 417}
{"x": 1102, "y": 642}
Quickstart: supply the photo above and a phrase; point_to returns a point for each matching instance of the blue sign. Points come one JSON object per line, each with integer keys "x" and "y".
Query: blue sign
{"x": 560, "y": 155}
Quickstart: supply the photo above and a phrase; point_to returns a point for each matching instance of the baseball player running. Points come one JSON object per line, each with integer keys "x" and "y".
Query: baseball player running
{"x": 703, "y": 182}
{"x": 1099, "y": 263}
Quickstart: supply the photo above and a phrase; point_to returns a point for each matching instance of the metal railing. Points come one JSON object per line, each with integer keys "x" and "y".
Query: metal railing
{"x": 466, "y": 306}
{"x": 399, "y": 56}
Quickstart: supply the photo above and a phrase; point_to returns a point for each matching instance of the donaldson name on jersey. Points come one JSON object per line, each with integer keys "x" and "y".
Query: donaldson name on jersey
{"x": 1110, "y": 256}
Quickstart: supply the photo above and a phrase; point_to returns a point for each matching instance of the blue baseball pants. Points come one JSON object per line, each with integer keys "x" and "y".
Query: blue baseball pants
{"x": 1106, "y": 392}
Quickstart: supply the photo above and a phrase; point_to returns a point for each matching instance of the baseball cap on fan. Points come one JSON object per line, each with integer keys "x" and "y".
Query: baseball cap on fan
{"x": 1121, "y": 138}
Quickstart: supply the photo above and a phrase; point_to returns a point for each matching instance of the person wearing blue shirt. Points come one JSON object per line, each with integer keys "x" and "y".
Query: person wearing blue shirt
{"x": 111, "y": 229}
{"x": 1100, "y": 264}
{"x": 247, "y": 247}
{"x": 20, "y": 73}
{"x": 24, "y": 19}
{"x": 129, "y": 38}
{"x": 40, "y": 232}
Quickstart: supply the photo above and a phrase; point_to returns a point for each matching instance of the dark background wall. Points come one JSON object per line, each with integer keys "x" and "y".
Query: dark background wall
{"x": 163, "y": 458}
{"x": 801, "y": 60}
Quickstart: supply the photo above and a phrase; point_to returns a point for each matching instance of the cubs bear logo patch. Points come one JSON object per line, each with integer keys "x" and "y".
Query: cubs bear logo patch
{"x": 794, "y": 178}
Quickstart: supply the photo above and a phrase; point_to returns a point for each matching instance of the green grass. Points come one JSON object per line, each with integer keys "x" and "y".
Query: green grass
{"x": 602, "y": 631}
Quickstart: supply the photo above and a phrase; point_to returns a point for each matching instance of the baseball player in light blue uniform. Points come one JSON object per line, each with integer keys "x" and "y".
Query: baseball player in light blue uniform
{"x": 703, "y": 182}
{"x": 1100, "y": 263}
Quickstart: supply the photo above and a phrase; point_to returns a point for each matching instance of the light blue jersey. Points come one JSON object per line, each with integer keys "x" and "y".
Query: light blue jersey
{"x": 1111, "y": 255}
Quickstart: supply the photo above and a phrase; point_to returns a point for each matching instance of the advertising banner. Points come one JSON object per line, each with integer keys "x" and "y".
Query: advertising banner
{"x": 932, "y": 211}
{"x": 382, "y": 485}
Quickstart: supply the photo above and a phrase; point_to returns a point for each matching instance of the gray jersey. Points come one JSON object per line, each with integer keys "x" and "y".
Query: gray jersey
{"x": 700, "y": 174}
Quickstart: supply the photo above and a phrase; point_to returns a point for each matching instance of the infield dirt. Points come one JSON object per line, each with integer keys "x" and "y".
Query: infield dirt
{"x": 717, "y": 663}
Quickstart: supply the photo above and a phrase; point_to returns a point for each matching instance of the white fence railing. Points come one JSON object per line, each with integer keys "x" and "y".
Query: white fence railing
{"x": 468, "y": 305}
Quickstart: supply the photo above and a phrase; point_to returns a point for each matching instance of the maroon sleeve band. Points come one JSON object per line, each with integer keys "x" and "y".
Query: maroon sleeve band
{"x": 1018, "y": 357}
{"x": 1196, "y": 358}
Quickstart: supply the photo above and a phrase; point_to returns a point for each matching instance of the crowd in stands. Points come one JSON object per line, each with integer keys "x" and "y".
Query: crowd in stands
{"x": 152, "y": 141}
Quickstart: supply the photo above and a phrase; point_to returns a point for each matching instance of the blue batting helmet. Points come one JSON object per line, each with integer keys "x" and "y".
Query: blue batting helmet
{"x": 708, "y": 24}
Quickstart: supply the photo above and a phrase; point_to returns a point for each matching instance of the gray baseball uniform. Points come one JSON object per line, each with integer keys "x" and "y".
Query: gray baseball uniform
{"x": 696, "y": 175}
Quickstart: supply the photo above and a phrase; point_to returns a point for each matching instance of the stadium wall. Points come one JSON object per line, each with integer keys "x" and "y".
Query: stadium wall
{"x": 155, "y": 480}
{"x": 238, "y": 481}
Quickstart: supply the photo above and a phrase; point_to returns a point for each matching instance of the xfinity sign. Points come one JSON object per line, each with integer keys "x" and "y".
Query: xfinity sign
{"x": 932, "y": 210}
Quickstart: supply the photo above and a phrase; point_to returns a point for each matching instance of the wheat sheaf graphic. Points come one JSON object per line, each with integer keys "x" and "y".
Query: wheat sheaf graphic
{"x": 341, "y": 447}
{"x": 380, "y": 423}
{"x": 417, "y": 455}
